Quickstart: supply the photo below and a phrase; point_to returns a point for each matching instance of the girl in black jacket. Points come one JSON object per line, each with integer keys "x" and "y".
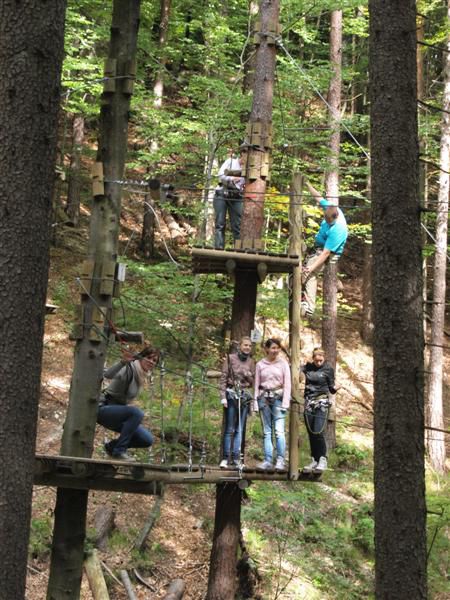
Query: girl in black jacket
{"x": 319, "y": 383}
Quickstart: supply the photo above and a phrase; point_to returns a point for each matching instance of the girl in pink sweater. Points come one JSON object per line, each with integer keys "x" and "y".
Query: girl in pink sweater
{"x": 272, "y": 400}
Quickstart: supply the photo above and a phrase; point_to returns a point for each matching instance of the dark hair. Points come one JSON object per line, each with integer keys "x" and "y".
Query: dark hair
{"x": 149, "y": 352}
{"x": 272, "y": 340}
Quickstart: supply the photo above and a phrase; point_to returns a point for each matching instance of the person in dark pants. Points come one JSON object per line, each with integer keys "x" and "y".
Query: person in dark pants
{"x": 228, "y": 198}
{"x": 319, "y": 383}
{"x": 236, "y": 390}
{"x": 115, "y": 413}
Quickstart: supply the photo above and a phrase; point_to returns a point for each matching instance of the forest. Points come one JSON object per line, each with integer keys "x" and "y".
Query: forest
{"x": 169, "y": 171}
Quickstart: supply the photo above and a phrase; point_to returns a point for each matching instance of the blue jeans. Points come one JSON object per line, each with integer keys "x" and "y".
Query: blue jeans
{"x": 272, "y": 419}
{"x": 232, "y": 428}
{"x": 222, "y": 204}
{"x": 125, "y": 420}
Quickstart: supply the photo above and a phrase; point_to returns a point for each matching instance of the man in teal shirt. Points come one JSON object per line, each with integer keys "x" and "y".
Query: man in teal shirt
{"x": 330, "y": 242}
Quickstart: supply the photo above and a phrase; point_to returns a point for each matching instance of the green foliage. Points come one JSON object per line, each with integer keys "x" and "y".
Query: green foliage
{"x": 350, "y": 456}
{"x": 438, "y": 534}
{"x": 363, "y": 528}
{"x": 63, "y": 297}
{"x": 317, "y": 538}
{"x": 40, "y": 538}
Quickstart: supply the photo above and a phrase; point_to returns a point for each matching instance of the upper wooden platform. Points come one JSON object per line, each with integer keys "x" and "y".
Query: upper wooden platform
{"x": 210, "y": 260}
{"x": 141, "y": 478}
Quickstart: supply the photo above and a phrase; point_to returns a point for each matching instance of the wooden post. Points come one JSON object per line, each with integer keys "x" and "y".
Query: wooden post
{"x": 295, "y": 247}
{"x": 222, "y": 581}
{"x": 96, "y": 284}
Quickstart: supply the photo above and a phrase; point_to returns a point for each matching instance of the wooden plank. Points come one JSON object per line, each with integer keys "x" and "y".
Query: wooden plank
{"x": 203, "y": 254}
{"x": 138, "y": 478}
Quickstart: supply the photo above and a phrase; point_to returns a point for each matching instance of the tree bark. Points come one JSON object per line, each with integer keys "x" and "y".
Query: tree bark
{"x": 255, "y": 188}
{"x": 79, "y": 428}
{"x": 329, "y": 337}
{"x": 222, "y": 583}
{"x": 435, "y": 409}
{"x": 104, "y": 523}
{"x": 295, "y": 321}
{"x": 95, "y": 576}
{"x": 158, "y": 88}
{"x": 329, "y": 316}
{"x": 366, "y": 330}
{"x": 74, "y": 183}
{"x": 31, "y": 53}
{"x": 400, "y": 534}
{"x": 176, "y": 590}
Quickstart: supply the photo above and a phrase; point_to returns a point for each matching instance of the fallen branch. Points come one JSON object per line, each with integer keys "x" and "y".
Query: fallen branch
{"x": 141, "y": 539}
{"x": 111, "y": 574}
{"x": 34, "y": 570}
{"x": 358, "y": 400}
{"x": 176, "y": 590}
{"x": 127, "y": 584}
{"x": 143, "y": 581}
{"x": 95, "y": 577}
{"x": 174, "y": 229}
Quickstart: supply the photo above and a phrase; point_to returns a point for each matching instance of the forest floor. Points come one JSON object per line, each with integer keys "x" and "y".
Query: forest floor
{"x": 180, "y": 542}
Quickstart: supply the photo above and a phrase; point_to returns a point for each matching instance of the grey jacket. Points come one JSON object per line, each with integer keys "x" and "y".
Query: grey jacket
{"x": 124, "y": 385}
{"x": 235, "y": 371}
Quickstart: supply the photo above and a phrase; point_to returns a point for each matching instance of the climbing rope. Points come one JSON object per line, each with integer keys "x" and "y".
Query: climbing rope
{"x": 190, "y": 396}
{"x": 162, "y": 372}
{"x": 151, "y": 394}
{"x": 204, "y": 443}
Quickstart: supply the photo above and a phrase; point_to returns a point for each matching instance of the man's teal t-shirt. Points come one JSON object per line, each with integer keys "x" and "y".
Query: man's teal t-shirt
{"x": 332, "y": 236}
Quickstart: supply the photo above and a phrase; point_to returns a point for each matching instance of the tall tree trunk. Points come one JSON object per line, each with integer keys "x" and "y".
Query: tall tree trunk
{"x": 366, "y": 330}
{"x": 148, "y": 221}
{"x": 256, "y": 181}
{"x": 400, "y": 533}
{"x": 295, "y": 321}
{"x": 222, "y": 583}
{"x": 74, "y": 183}
{"x": 147, "y": 244}
{"x": 435, "y": 409}
{"x": 421, "y": 95}
{"x": 31, "y": 53}
{"x": 249, "y": 57}
{"x": 207, "y": 231}
{"x": 329, "y": 320}
{"x": 158, "y": 88}
{"x": 79, "y": 427}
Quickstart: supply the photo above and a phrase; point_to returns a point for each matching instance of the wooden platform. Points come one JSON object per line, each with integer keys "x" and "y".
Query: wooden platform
{"x": 209, "y": 260}
{"x": 141, "y": 478}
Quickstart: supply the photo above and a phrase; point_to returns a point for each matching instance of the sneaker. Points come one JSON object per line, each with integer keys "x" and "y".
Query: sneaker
{"x": 123, "y": 456}
{"x": 223, "y": 463}
{"x": 321, "y": 465}
{"x": 265, "y": 465}
{"x": 237, "y": 464}
{"x": 108, "y": 448}
{"x": 310, "y": 468}
{"x": 280, "y": 465}
{"x": 305, "y": 309}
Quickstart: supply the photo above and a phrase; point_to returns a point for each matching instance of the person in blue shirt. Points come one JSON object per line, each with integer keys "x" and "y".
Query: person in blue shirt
{"x": 330, "y": 242}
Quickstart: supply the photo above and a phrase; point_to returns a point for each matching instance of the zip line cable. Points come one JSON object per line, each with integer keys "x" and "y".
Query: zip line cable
{"x": 279, "y": 42}
{"x": 432, "y": 237}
